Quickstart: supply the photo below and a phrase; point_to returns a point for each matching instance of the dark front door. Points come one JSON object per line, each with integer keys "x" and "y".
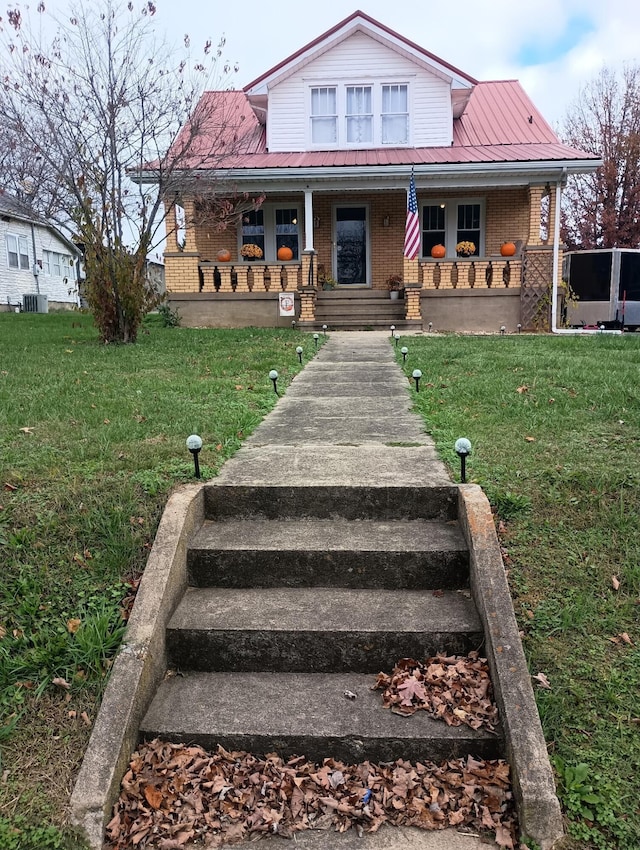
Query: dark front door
{"x": 351, "y": 245}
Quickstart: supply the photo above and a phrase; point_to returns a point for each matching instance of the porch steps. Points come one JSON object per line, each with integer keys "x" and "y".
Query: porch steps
{"x": 361, "y": 309}
{"x": 295, "y": 600}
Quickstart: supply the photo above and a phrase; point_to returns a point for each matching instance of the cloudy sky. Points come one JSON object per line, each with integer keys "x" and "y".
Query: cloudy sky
{"x": 552, "y": 46}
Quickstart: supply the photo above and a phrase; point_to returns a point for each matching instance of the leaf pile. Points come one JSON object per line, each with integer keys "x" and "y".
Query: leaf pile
{"x": 453, "y": 688}
{"x": 173, "y": 794}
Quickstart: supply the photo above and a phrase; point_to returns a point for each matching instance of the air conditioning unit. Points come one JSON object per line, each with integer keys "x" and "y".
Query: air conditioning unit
{"x": 35, "y": 303}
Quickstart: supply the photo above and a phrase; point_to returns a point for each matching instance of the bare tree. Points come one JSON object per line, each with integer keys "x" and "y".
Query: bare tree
{"x": 100, "y": 100}
{"x": 602, "y": 209}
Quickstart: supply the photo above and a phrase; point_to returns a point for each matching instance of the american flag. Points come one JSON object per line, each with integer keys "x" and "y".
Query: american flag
{"x": 412, "y": 230}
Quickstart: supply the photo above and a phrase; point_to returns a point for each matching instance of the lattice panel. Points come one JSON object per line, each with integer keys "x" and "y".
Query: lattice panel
{"x": 535, "y": 293}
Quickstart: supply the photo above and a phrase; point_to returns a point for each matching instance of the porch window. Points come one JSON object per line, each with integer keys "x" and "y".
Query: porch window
{"x": 448, "y": 222}
{"x": 395, "y": 115}
{"x": 469, "y": 224}
{"x": 253, "y": 228}
{"x": 433, "y": 227}
{"x": 359, "y": 115}
{"x": 324, "y": 115}
{"x": 17, "y": 251}
{"x": 286, "y": 224}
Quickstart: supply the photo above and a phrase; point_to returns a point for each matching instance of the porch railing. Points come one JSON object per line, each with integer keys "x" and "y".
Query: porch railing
{"x": 249, "y": 277}
{"x": 471, "y": 273}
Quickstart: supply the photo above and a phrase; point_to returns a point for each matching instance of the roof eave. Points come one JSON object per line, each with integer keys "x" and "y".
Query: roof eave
{"x": 396, "y": 176}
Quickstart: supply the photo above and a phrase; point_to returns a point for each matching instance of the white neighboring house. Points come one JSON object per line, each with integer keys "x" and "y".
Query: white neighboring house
{"x": 36, "y": 259}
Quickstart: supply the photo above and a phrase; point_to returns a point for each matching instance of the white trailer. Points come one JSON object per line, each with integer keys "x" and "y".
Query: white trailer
{"x": 606, "y": 282}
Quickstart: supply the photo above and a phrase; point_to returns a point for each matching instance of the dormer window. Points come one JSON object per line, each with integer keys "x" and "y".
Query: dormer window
{"x": 324, "y": 115}
{"x": 395, "y": 115}
{"x": 359, "y": 116}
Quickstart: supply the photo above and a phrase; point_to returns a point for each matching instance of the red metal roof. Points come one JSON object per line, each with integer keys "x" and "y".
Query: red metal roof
{"x": 499, "y": 124}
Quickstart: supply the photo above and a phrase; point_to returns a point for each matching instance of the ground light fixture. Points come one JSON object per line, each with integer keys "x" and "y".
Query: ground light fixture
{"x": 416, "y": 375}
{"x": 299, "y": 352}
{"x": 519, "y": 326}
{"x": 503, "y": 330}
{"x": 293, "y": 324}
{"x": 463, "y": 448}
{"x": 316, "y": 337}
{"x": 396, "y": 336}
{"x": 273, "y": 376}
{"x": 430, "y": 326}
{"x": 324, "y": 330}
{"x": 194, "y": 444}
{"x": 393, "y": 331}
{"x": 404, "y": 351}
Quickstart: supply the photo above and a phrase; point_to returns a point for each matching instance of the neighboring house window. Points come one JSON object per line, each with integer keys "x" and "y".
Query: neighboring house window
{"x": 286, "y": 224}
{"x": 324, "y": 115}
{"x": 447, "y": 223}
{"x": 17, "y": 251}
{"x": 56, "y": 264}
{"x": 359, "y": 115}
{"x": 395, "y": 115}
{"x": 253, "y": 228}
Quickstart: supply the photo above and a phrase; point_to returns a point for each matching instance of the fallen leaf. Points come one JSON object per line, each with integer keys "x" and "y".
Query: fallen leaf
{"x": 625, "y": 638}
{"x": 11, "y": 487}
{"x": 85, "y": 718}
{"x": 26, "y": 430}
{"x": 615, "y": 582}
{"x": 153, "y": 796}
{"x": 523, "y": 389}
{"x": 530, "y": 439}
{"x": 73, "y": 625}
{"x": 3, "y": 632}
{"x": 542, "y": 680}
{"x": 61, "y": 683}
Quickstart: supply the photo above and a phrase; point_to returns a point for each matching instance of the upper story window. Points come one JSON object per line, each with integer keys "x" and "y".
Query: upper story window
{"x": 449, "y": 222}
{"x": 17, "y": 251}
{"x": 324, "y": 115}
{"x": 359, "y": 115}
{"x": 395, "y": 115}
{"x": 345, "y": 116}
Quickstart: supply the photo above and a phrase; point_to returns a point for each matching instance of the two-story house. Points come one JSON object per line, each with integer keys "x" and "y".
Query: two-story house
{"x": 39, "y": 266}
{"x": 330, "y": 138}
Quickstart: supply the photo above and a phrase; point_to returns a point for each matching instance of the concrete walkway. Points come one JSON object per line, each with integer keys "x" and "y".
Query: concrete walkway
{"x": 345, "y": 420}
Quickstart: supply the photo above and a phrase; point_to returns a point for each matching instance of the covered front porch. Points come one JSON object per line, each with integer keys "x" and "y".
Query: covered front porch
{"x": 343, "y": 245}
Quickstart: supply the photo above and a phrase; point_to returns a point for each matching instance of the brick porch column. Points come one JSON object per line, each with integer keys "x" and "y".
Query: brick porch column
{"x": 307, "y": 304}
{"x": 411, "y": 271}
{"x": 412, "y": 302}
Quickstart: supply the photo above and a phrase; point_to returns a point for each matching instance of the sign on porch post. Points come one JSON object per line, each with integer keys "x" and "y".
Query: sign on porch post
{"x": 287, "y": 304}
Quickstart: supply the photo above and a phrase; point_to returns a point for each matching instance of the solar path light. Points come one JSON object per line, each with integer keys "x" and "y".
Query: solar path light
{"x": 396, "y": 336}
{"x": 416, "y": 375}
{"x": 194, "y": 444}
{"x": 324, "y": 330}
{"x": 463, "y": 448}
{"x": 316, "y": 337}
{"x": 404, "y": 351}
{"x": 273, "y": 375}
{"x": 299, "y": 352}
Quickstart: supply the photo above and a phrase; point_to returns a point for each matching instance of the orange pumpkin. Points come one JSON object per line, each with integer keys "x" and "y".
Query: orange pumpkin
{"x": 508, "y": 249}
{"x": 439, "y": 252}
{"x": 224, "y": 255}
{"x": 285, "y": 253}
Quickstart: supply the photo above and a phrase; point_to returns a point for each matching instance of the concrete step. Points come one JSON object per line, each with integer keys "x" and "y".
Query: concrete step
{"x": 305, "y": 714}
{"x": 438, "y": 502}
{"x": 317, "y": 630}
{"x": 401, "y": 554}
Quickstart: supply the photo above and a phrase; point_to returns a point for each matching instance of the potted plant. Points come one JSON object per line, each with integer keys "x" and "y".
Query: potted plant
{"x": 465, "y": 249}
{"x": 394, "y": 285}
{"x": 251, "y": 251}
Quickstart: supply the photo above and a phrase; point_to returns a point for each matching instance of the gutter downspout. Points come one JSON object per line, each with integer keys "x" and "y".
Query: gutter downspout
{"x": 35, "y": 262}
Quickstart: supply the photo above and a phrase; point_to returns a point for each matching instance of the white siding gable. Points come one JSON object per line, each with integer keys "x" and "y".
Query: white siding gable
{"x": 359, "y": 60}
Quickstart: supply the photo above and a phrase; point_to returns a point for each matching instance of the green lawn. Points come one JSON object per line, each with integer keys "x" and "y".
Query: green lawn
{"x": 555, "y": 428}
